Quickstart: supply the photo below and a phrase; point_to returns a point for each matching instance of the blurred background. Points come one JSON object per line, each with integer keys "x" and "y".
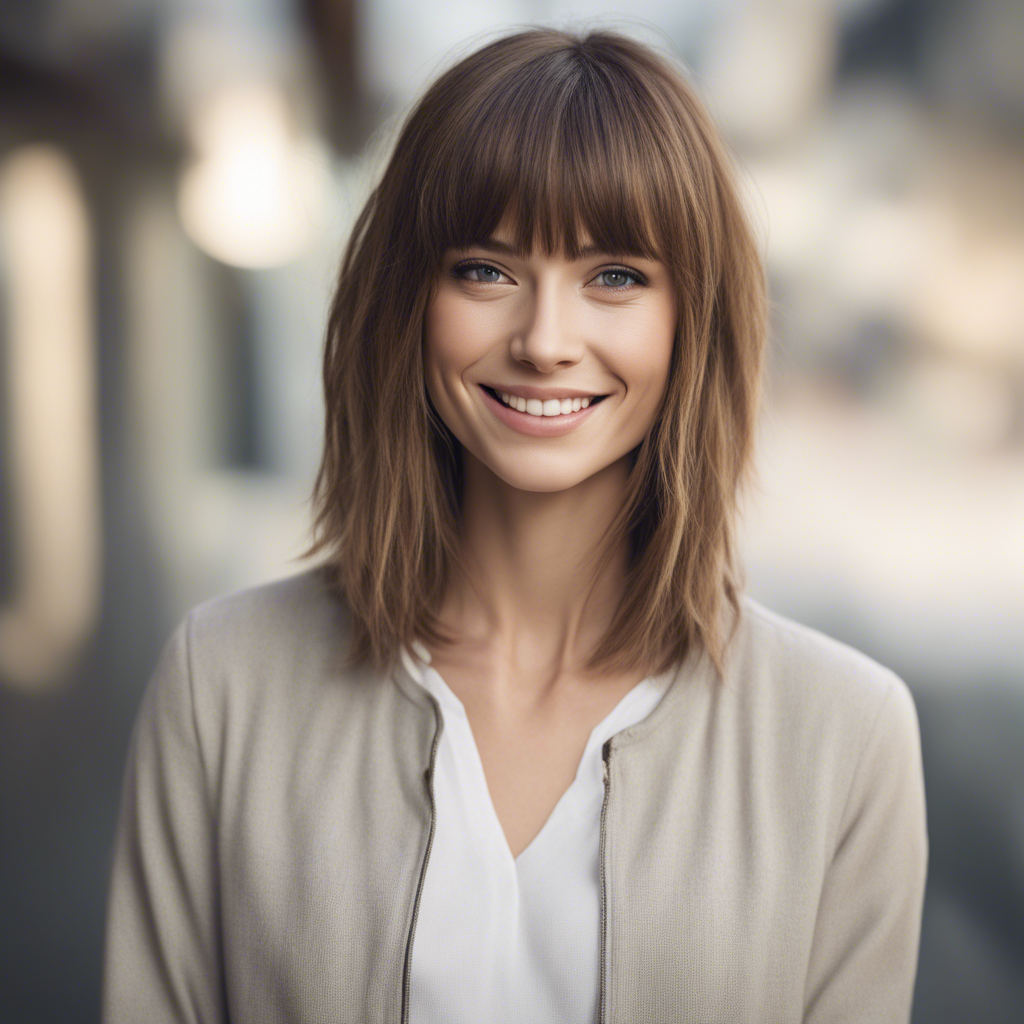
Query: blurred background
{"x": 177, "y": 180}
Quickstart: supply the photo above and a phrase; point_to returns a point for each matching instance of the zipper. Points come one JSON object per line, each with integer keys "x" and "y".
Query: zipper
{"x": 406, "y": 972}
{"x": 606, "y": 751}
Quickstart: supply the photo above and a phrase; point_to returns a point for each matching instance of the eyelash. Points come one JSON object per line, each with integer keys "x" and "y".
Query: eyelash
{"x": 640, "y": 280}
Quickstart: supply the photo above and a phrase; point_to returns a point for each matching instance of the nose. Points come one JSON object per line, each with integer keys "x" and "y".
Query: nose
{"x": 546, "y": 336}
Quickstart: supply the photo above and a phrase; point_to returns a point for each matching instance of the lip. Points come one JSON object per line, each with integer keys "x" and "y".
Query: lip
{"x": 544, "y": 394}
{"x": 537, "y": 426}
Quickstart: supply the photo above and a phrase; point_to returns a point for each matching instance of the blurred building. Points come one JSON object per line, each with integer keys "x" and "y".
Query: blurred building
{"x": 177, "y": 181}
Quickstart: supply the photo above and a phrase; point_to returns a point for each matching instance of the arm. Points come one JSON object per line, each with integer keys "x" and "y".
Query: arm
{"x": 864, "y": 952}
{"x": 162, "y": 960}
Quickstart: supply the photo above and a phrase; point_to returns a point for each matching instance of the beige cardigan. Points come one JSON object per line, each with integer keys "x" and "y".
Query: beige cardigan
{"x": 763, "y": 841}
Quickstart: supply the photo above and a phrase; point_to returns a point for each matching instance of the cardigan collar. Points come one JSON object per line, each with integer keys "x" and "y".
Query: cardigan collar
{"x": 686, "y": 678}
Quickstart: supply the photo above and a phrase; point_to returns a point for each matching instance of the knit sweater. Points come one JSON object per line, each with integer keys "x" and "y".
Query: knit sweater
{"x": 763, "y": 837}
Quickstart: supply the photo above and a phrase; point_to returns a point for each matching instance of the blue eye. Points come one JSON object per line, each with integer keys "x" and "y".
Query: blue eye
{"x": 621, "y": 272}
{"x": 463, "y": 269}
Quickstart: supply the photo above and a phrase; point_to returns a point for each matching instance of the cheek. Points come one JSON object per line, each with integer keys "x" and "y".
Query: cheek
{"x": 435, "y": 330}
{"x": 645, "y": 361}
{"x": 440, "y": 334}
{"x": 453, "y": 340}
{"x": 453, "y": 336}
{"x": 663, "y": 332}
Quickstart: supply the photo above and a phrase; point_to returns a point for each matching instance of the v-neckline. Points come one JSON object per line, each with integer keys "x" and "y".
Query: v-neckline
{"x": 480, "y": 777}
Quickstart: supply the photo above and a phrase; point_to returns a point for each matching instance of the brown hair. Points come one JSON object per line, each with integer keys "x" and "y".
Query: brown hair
{"x": 558, "y": 130}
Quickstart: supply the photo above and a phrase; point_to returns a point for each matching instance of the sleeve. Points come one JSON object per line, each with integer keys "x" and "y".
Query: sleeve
{"x": 864, "y": 952}
{"x": 162, "y": 955}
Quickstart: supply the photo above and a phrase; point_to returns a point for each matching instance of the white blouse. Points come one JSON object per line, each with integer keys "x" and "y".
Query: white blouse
{"x": 501, "y": 939}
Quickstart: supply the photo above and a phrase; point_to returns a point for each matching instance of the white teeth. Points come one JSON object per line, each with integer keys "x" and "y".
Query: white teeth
{"x": 513, "y": 401}
{"x": 552, "y": 407}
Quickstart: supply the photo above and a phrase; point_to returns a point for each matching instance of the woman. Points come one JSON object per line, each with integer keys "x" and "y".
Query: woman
{"x": 519, "y": 750}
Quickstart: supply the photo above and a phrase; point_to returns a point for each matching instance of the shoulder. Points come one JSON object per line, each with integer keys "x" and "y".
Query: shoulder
{"x": 270, "y": 620}
{"x": 791, "y": 646}
{"x": 815, "y": 705}
{"x": 776, "y": 659}
{"x": 265, "y": 646}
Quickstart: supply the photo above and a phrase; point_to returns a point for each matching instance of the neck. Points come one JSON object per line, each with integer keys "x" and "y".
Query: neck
{"x": 531, "y": 557}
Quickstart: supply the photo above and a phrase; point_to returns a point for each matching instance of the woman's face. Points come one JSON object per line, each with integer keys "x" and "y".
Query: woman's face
{"x": 549, "y": 332}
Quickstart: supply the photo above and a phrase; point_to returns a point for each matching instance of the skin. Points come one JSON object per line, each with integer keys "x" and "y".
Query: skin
{"x": 534, "y": 508}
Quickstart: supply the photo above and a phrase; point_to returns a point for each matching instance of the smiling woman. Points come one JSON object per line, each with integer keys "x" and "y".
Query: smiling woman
{"x": 519, "y": 750}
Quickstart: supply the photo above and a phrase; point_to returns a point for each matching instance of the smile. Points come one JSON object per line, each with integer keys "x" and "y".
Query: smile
{"x": 536, "y": 407}
{"x": 541, "y": 423}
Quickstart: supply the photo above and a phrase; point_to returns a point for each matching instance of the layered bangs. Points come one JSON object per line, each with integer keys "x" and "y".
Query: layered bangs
{"x": 554, "y": 149}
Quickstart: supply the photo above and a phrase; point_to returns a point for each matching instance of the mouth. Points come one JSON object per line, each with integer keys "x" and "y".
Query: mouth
{"x": 543, "y": 410}
{"x": 533, "y": 425}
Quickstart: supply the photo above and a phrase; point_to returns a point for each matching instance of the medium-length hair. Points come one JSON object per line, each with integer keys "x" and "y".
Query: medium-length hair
{"x": 556, "y": 131}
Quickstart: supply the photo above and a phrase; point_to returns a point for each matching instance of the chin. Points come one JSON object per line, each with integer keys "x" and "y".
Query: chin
{"x": 543, "y": 479}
